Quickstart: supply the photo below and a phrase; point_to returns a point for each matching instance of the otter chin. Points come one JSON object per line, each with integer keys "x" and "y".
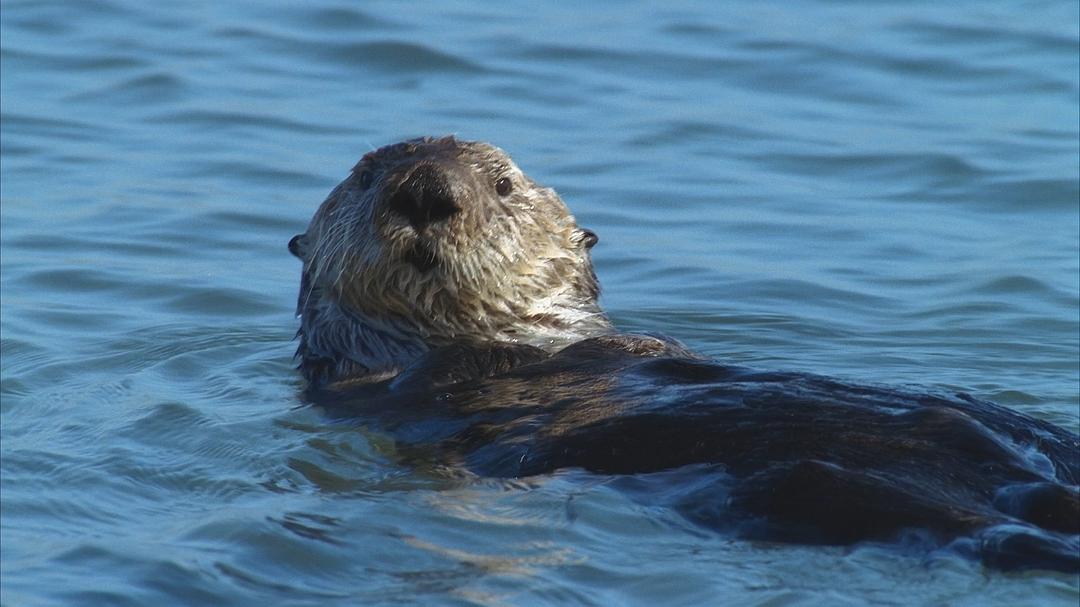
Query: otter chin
{"x": 433, "y": 241}
{"x": 450, "y": 300}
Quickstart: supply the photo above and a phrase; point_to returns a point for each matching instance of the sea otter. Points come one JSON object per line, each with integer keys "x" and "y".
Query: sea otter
{"x": 449, "y": 299}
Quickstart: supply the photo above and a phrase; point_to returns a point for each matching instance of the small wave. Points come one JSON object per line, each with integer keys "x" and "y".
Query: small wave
{"x": 392, "y": 56}
{"x": 1020, "y": 196}
{"x": 399, "y": 58}
{"x": 154, "y": 88}
{"x": 1006, "y": 39}
{"x": 60, "y": 128}
{"x": 252, "y": 171}
{"x": 71, "y": 63}
{"x": 217, "y": 120}
{"x": 1017, "y": 284}
{"x": 349, "y": 18}
{"x": 927, "y": 169}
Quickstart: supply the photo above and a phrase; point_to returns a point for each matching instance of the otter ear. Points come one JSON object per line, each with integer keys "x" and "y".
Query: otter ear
{"x": 298, "y": 246}
{"x": 587, "y": 237}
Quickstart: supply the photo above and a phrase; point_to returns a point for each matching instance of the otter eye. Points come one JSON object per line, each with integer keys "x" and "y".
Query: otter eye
{"x": 503, "y": 186}
{"x": 365, "y": 179}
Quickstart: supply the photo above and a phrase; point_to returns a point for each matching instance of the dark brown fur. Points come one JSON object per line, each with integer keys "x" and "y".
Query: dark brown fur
{"x": 459, "y": 310}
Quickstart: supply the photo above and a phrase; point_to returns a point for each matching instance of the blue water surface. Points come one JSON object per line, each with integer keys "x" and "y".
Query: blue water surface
{"x": 886, "y": 192}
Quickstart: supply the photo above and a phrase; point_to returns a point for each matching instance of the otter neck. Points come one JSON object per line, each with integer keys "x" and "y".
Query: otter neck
{"x": 371, "y": 349}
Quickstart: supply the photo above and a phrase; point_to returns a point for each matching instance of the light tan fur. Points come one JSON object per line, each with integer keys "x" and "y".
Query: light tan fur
{"x": 512, "y": 268}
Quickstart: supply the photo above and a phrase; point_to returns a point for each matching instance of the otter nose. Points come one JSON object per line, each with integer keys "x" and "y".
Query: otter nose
{"x": 424, "y": 197}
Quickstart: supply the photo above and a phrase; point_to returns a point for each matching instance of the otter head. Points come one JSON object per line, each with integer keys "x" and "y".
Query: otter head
{"x": 432, "y": 241}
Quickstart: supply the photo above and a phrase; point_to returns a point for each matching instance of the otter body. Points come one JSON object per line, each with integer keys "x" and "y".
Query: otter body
{"x": 440, "y": 283}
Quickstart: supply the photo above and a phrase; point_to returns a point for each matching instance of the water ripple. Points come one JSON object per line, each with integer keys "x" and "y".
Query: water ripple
{"x": 73, "y": 63}
{"x": 381, "y": 56}
{"x": 61, "y": 128}
{"x": 217, "y": 120}
{"x": 880, "y": 193}
{"x": 153, "y": 88}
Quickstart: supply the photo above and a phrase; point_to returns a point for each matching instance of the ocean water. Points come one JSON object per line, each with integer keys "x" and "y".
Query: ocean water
{"x": 885, "y": 192}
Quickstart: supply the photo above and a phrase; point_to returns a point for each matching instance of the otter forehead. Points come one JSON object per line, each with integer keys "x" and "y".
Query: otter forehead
{"x": 480, "y": 155}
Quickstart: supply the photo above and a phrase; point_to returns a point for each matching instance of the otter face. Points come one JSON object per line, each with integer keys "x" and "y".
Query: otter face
{"x": 435, "y": 240}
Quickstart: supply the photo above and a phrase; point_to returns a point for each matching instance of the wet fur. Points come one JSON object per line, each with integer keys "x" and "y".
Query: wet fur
{"x": 449, "y": 354}
{"x": 377, "y": 292}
